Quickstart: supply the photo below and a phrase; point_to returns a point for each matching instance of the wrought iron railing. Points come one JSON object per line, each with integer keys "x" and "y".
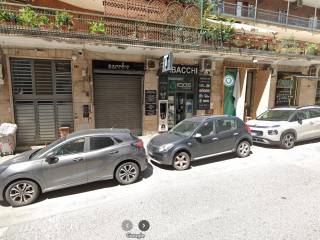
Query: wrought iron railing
{"x": 261, "y": 15}
{"x": 129, "y": 32}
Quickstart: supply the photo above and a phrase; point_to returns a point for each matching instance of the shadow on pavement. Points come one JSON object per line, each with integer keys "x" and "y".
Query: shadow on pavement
{"x": 297, "y": 144}
{"x": 87, "y": 187}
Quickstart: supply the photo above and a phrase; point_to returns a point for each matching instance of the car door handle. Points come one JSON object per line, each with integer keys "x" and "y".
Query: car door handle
{"x": 78, "y": 159}
{"x": 235, "y": 134}
{"x": 114, "y": 152}
{"x": 215, "y": 139}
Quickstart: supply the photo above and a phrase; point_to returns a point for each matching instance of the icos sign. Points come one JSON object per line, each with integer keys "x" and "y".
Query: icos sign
{"x": 229, "y": 81}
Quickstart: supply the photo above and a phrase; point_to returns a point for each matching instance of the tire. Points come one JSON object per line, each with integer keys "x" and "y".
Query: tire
{"x": 181, "y": 161}
{"x": 21, "y": 193}
{"x": 127, "y": 173}
{"x": 288, "y": 140}
{"x": 243, "y": 149}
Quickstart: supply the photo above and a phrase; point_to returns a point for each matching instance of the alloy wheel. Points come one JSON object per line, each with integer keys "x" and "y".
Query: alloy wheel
{"x": 22, "y": 193}
{"x": 127, "y": 173}
{"x": 288, "y": 140}
{"x": 181, "y": 161}
{"x": 244, "y": 149}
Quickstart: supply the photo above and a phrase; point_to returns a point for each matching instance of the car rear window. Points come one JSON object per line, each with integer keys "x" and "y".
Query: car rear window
{"x": 100, "y": 142}
{"x": 225, "y": 125}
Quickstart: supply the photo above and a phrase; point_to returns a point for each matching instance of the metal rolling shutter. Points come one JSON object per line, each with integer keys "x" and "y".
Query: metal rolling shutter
{"x": 46, "y": 121}
{"x": 117, "y": 100}
{"x": 65, "y": 114}
{"x": 25, "y": 119}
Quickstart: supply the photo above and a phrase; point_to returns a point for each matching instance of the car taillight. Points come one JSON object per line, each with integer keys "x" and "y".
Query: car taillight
{"x": 247, "y": 128}
{"x": 138, "y": 144}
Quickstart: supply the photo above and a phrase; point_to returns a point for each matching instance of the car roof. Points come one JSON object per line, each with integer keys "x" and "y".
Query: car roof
{"x": 99, "y": 131}
{"x": 296, "y": 107}
{"x": 206, "y": 117}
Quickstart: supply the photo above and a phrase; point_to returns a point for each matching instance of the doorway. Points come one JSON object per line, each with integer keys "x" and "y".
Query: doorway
{"x": 181, "y": 106}
{"x": 249, "y": 100}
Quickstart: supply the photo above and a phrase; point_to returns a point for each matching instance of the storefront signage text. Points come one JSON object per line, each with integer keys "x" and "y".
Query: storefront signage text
{"x": 117, "y": 66}
{"x": 184, "y": 69}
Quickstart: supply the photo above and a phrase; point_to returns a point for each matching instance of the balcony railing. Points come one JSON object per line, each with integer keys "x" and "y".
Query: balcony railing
{"x": 261, "y": 15}
{"x": 131, "y": 32}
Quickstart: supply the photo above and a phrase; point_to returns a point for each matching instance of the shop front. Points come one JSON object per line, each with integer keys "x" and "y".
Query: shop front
{"x": 117, "y": 91}
{"x": 182, "y": 92}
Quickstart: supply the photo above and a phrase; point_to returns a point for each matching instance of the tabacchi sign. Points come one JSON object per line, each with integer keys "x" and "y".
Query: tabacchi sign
{"x": 184, "y": 69}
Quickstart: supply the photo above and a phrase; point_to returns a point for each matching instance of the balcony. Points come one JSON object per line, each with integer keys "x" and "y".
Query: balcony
{"x": 47, "y": 23}
{"x": 264, "y": 16}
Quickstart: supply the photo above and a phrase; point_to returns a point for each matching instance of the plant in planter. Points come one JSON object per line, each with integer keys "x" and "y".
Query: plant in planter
{"x": 9, "y": 17}
{"x": 312, "y": 49}
{"x": 28, "y": 17}
{"x": 44, "y": 21}
{"x": 97, "y": 27}
{"x": 63, "y": 21}
{"x": 223, "y": 33}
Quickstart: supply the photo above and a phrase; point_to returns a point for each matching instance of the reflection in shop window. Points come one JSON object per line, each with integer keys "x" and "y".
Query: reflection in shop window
{"x": 286, "y": 91}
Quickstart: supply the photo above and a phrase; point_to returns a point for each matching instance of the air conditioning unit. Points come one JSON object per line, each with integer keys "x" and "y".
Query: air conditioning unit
{"x": 205, "y": 65}
{"x": 299, "y": 3}
{"x": 151, "y": 64}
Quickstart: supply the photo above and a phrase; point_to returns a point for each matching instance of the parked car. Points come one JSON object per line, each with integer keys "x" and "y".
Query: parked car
{"x": 82, "y": 157}
{"x": 198, "y": 138}
{"x": 286, "y": 126}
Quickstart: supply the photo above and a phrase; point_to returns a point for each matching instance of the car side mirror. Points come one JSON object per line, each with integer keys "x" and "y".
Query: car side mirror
{"x": 198, "y": 137}
{"x": 52, "y": 159}
{"x": 300, "y": 120}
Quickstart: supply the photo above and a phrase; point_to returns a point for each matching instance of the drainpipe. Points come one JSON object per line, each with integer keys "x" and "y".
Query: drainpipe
{"x": 256, "y": 11}
{"x": 201, "y": 14}
{"x": 288, "y": 9}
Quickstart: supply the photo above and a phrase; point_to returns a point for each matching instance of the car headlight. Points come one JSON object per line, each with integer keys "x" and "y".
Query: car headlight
{"x": 273, "y": 132}
{"x": 3, "y": 168}
{"x": 165, "y": 148}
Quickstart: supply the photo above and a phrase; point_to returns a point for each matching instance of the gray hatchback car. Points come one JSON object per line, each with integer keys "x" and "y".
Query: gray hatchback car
{"x": 200, "y": 137}
{"x": 82, "y": 157}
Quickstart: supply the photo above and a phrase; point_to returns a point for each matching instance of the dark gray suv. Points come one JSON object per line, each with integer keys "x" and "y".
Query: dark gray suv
{"x": 82, "y": 157}
{"x": 200, "y": 137}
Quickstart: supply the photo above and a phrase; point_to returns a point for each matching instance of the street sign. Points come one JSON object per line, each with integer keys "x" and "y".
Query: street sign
{"x": 167, "y": 61}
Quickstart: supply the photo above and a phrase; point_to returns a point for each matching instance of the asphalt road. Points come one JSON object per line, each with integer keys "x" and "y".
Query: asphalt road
{"x": 273, "y": 194}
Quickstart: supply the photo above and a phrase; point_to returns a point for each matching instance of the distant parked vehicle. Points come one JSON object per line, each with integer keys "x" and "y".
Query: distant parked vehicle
{"x": 286, "y": 126}
{"x": 81, "y": 157}
{"x": 198, "y": 138}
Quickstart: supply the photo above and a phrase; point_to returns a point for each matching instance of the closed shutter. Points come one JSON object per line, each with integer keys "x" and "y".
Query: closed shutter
{"x": 46, "y": 120}
{"x": 117, "y": 100}
{"x": 42, "y": 98}
{"x": 25, "y": 119}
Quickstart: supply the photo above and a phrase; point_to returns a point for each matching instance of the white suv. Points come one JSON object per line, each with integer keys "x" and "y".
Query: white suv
{"x": 285, "y": 126}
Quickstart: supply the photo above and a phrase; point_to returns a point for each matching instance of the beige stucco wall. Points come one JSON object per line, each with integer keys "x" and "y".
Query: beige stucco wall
{"x": 5, "y": 105}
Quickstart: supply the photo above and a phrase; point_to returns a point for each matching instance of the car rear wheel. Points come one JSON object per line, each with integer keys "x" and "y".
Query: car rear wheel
{"x": 127, "y": 173}
{"x": 243, "y": 149}
{"x": 288, "y": 141}
{"x": 181, "y": 161}
{"x": 22, "y": 193}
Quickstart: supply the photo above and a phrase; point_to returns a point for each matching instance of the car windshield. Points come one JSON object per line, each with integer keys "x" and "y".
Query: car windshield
{"x": 185, "y": 128}
{"x": 41, "y": 151}
{"x": 276, "y": 115}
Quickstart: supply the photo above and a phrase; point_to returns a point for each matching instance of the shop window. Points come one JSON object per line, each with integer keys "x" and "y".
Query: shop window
{"x": 286, "y": 91}
{"x": 318, "y": 94}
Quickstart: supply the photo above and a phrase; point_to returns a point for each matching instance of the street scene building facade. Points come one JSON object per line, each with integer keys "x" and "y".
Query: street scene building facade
{"x": 99, "y": 64}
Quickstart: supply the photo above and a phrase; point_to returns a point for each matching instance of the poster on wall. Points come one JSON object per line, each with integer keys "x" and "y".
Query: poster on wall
{"x": 204, "y": 93}
{"x": 150, "y": 102}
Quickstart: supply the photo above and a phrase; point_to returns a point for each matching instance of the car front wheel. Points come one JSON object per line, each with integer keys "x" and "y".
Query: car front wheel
{"x": 288, "y": 141}
{"x": 243, "y": 149}
{"x": 127, "y": 173}
{"x": 22, "y": 193}
{"x": 181, "y": 161}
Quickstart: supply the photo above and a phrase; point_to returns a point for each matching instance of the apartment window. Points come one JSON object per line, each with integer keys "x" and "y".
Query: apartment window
{"x": 318, "y": 94}
{"x": 286, "y": 90}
